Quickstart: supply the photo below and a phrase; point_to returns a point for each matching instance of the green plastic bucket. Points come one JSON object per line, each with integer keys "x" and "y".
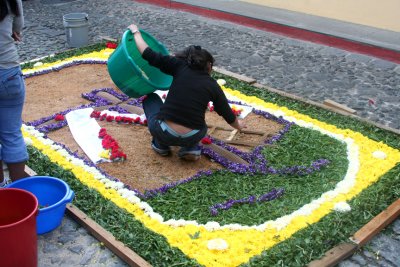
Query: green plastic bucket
{"x": 131, "y": 73}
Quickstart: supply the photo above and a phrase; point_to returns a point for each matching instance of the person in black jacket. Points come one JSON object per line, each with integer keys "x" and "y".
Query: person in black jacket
{"x": 180, "y": 120}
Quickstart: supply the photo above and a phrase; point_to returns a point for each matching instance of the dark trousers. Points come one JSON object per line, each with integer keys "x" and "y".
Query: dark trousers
{"x": 162, "y": 134}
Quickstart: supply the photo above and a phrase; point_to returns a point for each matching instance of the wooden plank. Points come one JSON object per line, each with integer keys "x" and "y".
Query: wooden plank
{"x": 107, "y": 38}
{"x": 232, "y": 135}
{"x": 101, "y": 108}
{"x": 333, "y": 256}
{"x": 320, "y": 105}
{"x": 243, "y": 143}
{"x": 114, "y": 100}
{"x": 211, "y": 130}
{"x": 29, "y": 171}
{"x": 218, "y": 127}
{"x": 373, "y": 227}
{"x": 266, "y": 135}
{"x": 132, "y": 109}
{"x": 117, "y": 247}
{"x": 245, "y": 131}
{"x": 360, "y": 238}
{"x": 252, "y": 132}
{"x": 226, "y": 153}
{"x": 235, "y": 75}
{"x": 335, "y": 105}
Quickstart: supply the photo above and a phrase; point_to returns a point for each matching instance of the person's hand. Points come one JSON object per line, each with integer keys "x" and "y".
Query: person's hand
{"x": 238, "y": 124}
{"x": 140, "y": 43}
{"x": 241, "y": 124}
{"x": 16, "y": 36}
{"x": 133, "y": 28}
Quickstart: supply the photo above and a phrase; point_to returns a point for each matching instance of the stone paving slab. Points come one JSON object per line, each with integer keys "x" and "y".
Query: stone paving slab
{"x": 71, "y": 245}
{"x": 368, "y": 85}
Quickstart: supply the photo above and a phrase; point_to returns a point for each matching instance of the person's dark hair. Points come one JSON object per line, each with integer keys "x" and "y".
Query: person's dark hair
{"x": 196, "y": 57}
{"x": 12, "y": 5}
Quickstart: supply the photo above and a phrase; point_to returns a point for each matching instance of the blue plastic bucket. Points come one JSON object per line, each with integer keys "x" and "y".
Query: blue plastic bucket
{"x": 53, "y": 195}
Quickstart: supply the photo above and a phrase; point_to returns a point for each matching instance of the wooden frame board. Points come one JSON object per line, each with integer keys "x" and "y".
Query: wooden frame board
{"x": 360, "y": 238}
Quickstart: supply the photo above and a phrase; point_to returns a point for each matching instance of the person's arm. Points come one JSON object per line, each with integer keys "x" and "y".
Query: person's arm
{"x": 18, "y": 23}
{"x": 222, "y": 107}
{"x": 166, "y": 63}
{"x": 140, "y": 43}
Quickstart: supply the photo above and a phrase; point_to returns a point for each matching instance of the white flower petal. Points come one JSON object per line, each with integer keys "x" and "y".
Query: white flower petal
{"x": 221, "y": 82}
{"x": 38, "y": 64}
{"x": 211, "y": 226}
{"x": 379, "y": 154}
{"x": 342, "y": 207}
{"x": 217, "y": 244}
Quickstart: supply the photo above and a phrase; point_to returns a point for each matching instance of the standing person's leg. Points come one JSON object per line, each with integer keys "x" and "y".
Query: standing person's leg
{"x": 2, "y": 181}
{"x": 12, "y": 96}
{"x": 151, "y": 106}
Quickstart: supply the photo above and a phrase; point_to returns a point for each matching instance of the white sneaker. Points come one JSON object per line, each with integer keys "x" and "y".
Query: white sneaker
{"x": 5, "y": 182}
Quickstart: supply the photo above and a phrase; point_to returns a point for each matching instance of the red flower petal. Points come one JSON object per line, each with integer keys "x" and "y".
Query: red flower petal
{"x": 110, "y": 118}
{"x": 111, "y": 45}
{"x": 206, "y": 141}
{"x": 59, "y": 117}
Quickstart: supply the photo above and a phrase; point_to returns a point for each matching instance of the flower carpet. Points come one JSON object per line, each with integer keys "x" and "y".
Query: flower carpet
{"x": 304, "y": 190}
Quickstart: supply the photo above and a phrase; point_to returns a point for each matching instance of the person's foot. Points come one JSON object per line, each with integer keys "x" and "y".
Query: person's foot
{"x": 5, "y": 182}
{"x": 190, "y": 154}
{"x": 162, "y": 150}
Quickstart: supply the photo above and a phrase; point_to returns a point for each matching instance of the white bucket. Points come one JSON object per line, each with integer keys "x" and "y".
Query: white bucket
{"x": 77, "y": 29}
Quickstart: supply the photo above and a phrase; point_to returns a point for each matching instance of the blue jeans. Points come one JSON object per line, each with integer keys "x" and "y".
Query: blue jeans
{"x": 12, "y": 96}
{"x": 162, "y": 134}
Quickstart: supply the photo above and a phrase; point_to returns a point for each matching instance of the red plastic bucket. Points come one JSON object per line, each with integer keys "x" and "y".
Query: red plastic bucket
{"x": 18, "y": 239}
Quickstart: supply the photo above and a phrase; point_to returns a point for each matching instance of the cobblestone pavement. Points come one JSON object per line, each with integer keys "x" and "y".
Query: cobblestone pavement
{"x": 369, "y": 85}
